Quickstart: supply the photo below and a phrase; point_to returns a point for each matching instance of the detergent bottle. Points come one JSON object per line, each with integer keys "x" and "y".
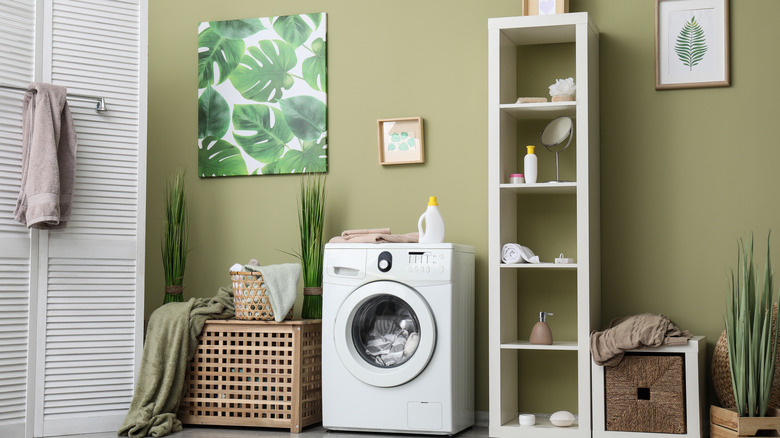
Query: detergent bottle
{"x": 434, "y": 223}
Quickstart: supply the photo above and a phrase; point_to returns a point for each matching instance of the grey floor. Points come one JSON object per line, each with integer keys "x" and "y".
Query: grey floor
{"x": 309, "y": 432}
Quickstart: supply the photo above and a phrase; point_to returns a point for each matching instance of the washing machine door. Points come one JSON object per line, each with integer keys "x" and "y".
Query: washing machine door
{"x": 385, "y": 333}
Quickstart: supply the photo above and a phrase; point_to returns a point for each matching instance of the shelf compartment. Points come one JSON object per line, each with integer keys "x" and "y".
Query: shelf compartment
{"x": 541, "y": 110}
{"x": 525, "y": 345}
{"x": 542, "y": 422}
{"x": 538, "y": 266}
{"x": 541, "y": 188}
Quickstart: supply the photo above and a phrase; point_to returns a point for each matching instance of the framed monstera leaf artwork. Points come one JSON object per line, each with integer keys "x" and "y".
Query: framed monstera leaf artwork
{"x": 691, "y": 44}
{"x": 262, "y": 96}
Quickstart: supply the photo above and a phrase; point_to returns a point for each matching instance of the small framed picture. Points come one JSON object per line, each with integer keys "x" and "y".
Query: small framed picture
{"x": 691, "y": 44}
{"x": 400, "y": 140}
{"x": 545, "y": 7}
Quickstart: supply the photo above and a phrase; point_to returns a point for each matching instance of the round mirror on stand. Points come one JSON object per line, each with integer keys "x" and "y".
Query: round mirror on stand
{"x": 556, "y": 137}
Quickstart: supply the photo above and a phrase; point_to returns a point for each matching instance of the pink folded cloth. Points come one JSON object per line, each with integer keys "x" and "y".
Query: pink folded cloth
{"x": 352, "y": 233}
{"x": 376, "y": 235}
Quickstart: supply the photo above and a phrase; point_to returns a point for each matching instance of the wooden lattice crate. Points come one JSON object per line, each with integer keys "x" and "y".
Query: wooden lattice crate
{"x": 256, "y": 373}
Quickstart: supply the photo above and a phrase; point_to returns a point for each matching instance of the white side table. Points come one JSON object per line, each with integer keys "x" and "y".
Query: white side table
{"x": 694, "y": 361}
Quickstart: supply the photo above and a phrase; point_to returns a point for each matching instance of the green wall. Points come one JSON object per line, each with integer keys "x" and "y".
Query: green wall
{"x": 683, "y": 173}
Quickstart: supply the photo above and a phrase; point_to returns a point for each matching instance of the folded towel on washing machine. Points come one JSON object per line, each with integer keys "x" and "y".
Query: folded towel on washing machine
{"x": 376, "y": 235}
{"x": 387, "y": 340}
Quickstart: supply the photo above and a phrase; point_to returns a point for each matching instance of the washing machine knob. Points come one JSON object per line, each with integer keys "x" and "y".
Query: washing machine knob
{"x": 385, "y": 261}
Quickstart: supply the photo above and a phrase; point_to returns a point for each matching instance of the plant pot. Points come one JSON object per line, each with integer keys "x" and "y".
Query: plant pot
{"x": 312, "y": 303}
{"x": 174, "y": 294}
{"x": 563, "y": 98}
{"x": 727, "y": 423}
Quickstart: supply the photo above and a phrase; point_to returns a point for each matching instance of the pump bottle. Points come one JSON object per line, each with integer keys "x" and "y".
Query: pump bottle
{"x": 541, "y": 334}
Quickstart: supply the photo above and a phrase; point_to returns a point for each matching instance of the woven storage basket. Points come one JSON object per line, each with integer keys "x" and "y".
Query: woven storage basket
{"x": 250, "y": 299}
{"x": 721, "y": 374}
{"x": 646, "y": 393}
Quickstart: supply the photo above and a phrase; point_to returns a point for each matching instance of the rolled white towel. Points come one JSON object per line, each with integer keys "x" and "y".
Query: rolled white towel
{"x": 514, "y": 253}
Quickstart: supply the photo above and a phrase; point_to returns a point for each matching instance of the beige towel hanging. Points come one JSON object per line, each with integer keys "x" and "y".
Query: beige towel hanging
{"x": 48, "y": 158}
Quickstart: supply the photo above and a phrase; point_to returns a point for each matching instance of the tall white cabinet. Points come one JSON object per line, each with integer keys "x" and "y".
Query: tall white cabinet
{"x": 526, "y": 54}
{"x": 72, "y": 321}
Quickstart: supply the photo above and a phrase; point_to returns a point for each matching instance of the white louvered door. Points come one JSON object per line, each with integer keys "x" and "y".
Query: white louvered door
{"x": 91, "y": 305}
{"x": 71, "y": 329}
{"x": 17, "y": 68}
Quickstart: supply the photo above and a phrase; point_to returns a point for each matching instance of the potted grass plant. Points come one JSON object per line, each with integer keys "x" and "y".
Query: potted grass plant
{"x": 752, "y": 347}
{"x": 311, "y": 218}
{"x": 175, "y": 237}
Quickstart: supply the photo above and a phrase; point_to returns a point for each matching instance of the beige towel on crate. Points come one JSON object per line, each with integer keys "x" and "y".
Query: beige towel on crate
{"x": 48, "y": 158}
{"x": 645, "y": 330}
{"x": 374, "y": 235}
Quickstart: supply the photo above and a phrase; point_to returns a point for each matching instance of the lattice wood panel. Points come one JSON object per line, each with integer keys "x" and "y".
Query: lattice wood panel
{"x": 256, "y": 373}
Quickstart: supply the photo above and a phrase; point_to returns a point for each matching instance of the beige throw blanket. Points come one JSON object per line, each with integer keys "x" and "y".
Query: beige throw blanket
{"x": 171, "y": 341}
{"x": 645, "y": 330}
{"x": 374, "y": 235}
{"x": 48, "y": 158}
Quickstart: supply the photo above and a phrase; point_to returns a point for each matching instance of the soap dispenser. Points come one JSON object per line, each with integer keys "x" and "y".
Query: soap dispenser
{"x": 541, "y": 334}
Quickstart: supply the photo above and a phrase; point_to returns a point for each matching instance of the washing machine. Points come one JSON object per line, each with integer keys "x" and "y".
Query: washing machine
{"x": 398, "y": 338}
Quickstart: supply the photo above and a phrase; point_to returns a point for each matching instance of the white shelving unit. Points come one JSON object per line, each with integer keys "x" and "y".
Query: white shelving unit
{"x": 510, "y": 128}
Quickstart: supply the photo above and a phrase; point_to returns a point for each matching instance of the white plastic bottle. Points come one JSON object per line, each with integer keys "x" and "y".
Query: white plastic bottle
{"x": 434, "y": 223}
{"x": 529, "y": 165}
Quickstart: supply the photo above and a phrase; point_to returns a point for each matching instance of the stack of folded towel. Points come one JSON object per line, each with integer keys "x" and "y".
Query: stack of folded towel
{"x": 281, "y": 282}
{"x": 374, "y": 235}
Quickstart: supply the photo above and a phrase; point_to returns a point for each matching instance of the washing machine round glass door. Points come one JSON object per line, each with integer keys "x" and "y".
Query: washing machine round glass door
{"x": 385, "y": 333}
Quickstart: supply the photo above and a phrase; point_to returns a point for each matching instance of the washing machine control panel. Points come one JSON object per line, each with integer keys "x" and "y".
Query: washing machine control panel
{"x": 426, "y": 264}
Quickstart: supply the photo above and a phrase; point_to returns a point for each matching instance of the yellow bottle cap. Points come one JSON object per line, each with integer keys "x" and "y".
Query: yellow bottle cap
{"x": 530, "y": 149}
{"x": 432, "y": 201}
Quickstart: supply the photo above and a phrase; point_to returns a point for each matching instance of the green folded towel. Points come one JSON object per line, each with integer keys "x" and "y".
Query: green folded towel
{"x": 171, "y": 342}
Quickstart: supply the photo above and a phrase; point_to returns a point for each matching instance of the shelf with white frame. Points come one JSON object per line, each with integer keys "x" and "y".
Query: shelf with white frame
{"x": 540, "y": 110}
{"x": 542, "y": 188}
{"x": 526, "y": 345}
{"x": 538, "y": 266}
{"x": 508, "y": 124}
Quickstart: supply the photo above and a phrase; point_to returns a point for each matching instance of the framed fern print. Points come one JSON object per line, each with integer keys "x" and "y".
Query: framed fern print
{"x": 691, "y": 44}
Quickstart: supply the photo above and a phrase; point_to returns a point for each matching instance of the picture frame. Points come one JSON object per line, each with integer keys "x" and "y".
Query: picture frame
{"x": 691, "y": 44}
{"x": 545, "y": 7}
{"x": 401, "y": 141}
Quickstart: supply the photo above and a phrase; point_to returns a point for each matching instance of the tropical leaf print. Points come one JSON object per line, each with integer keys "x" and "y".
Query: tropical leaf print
{"x": 262, "y": 105}
{"x": 217, "y": 57}
{"x": 691, "y": 44}
{"x": 265, "y": 72}
{"x": 293, "y": 29}
{"x": 219, "y": 158}
{"x": 237, "y": 29}
{"x": 268, "y": 141}
{"x": 305, "y": 115}
{"x": 213, "y": 114}
{"x": 314, "y": 68}
{"x": 311, "y": 158}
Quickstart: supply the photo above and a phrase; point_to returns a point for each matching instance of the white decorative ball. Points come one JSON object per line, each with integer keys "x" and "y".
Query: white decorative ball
{"x": 562, "y": 419}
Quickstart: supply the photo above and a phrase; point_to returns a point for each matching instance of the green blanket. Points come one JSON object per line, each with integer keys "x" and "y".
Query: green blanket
{"x": 171, "y": 342}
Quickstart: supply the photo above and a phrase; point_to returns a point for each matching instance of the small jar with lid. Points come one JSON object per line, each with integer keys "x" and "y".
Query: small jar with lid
{"x": 516, "y": 178}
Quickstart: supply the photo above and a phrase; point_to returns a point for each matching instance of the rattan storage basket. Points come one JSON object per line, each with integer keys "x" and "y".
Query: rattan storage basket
{"x": 250, "y": 299}
{"x": 721, "y": 374}
{"x": 646, "y": 393}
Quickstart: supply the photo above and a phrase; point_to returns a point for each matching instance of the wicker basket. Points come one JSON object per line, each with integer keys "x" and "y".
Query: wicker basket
{"x": 646, "y": 393}
{"x": 249, "y": 296}
{"x": 721, "y": 374}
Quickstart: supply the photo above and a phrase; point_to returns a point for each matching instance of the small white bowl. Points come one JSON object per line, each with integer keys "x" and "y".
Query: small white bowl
{"x": 527, "y": 419}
